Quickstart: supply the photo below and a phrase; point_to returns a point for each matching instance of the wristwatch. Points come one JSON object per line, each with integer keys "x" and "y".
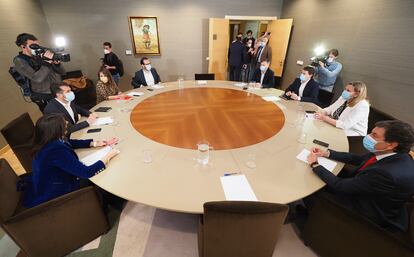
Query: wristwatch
{"x": 313, "y": 164}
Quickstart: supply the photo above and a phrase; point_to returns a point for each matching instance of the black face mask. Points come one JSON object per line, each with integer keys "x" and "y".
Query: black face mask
{"x": 239, "y": 38}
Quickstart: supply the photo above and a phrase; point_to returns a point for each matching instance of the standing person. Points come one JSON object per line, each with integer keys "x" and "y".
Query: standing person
{"x": 106, "y": 88}
{"x": 111, "y": 62}
{"x": 263, "y": 53}
{"x": 236, "y": 58}
{"x": 249, "y": 36}
{"x": 329, "y": 72}
{"x": 41, "y": 73}
{"x": 248, "y": 59}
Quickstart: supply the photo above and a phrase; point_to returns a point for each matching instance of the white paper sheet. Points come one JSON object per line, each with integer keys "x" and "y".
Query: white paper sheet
{"x": 328, "y": 164}
{"x": 240, "y": 84}
{"x": 201, "y": 82}
{"x": 237, "y": 188}
{"x": 95, "y": 156}
{"x": 103, "y": 121}
{"x": 135, "y": 93}
{"x": 157, "y": 86}
{"x": 271, "y": 98}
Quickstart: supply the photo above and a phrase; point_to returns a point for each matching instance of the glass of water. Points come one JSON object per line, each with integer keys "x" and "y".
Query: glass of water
{"x": 180, "y": 82}
{"x": 146, "y": 156}
{"x": 203, "y": 148}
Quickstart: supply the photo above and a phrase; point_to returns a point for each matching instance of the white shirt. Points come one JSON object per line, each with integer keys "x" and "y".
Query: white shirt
{"x": 149, "y": 78}
{"x": 302, "y": 87}
{"x": 68, "y": 109}
{"x": 382, "y": 156}
{"x": 353, "y": 120}
{"x": 262, "y": 77}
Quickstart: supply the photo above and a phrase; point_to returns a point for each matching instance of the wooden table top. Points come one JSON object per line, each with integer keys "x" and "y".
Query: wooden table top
{"x": 226, "y": 118}
{"x": 174, "y": 180}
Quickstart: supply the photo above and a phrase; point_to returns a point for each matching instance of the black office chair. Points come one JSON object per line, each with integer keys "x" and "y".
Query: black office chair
{"x": 204, "y": 76}
{"x": 19, "y": 134}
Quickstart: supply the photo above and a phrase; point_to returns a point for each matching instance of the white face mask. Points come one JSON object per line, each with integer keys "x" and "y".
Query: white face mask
{"x": 106, "y": 51}
{"x": 148, "y": 67}
{"x": 330, "y": 59}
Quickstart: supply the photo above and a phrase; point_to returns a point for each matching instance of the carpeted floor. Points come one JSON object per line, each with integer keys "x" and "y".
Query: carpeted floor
{"x": 143, "y": 231}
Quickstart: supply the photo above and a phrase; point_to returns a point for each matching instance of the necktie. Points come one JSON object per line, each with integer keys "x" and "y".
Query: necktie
{"x": 338, "y": 112}
{"x": 370, "y": 161}
{"x": 259, "y": 54}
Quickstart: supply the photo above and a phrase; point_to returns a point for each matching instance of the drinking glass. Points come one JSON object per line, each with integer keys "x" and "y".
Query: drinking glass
{"x": 203, "y": 152}
{"x": 251, "y": 160}
{"x": 146, "y": 156}
{"x": 180, "y": 82}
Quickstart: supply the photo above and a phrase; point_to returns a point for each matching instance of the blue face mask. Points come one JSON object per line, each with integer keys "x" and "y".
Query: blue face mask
{"x": 302, "y": 77}
{"x": 346, "y": 95}
{"x": 262, "y": 68}
{"x": 263, "y": 44}
{"x": 70, "y": 96}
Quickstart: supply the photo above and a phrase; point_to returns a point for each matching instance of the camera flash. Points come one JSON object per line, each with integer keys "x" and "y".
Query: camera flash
{"x": 60, "y": 41}
{"x": 319, "y": 50}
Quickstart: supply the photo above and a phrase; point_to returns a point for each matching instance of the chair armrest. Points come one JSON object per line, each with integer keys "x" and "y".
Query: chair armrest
{"x": 59, "y": 226}
{"x": 333, "y": 230}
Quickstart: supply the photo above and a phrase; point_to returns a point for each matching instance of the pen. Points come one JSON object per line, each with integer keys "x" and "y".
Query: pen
{"x": 233, "y": 173}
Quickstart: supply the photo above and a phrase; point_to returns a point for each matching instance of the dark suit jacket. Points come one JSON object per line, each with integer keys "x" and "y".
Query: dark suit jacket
{"x": 268, "y": 80}
{"x": 56, "y": 169}
{"x": 379, "y": 191}
{"x": 139, "y": 78}
{"x": 310, "y": 93}
{"x": 55, "y": 107}
{"x": 237, "y": 54}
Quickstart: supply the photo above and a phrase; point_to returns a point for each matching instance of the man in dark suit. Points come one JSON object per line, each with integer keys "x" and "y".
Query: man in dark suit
{"x": 384, "y": 180}
{"x": 236, "y": 56}
{"x": 264, "y": 76}
{"x": 304, "y": 88}
{"x": 147, "y": 76}
{"x": 63, "y": 103}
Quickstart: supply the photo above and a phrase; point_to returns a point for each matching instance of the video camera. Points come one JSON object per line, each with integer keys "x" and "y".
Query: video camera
{"x": 316, "y": 59}
{"x": 57, "y": 53}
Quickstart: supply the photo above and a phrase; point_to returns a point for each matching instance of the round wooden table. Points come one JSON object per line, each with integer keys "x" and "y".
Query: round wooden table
{"x": 167, "y": 123}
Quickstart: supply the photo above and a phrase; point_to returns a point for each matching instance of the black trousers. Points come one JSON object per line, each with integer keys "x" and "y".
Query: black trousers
{"x": 235, "y": 72}
{"x": 41, "y": 100}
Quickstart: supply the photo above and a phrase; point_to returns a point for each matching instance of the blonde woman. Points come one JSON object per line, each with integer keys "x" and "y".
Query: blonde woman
{"x": 350, "y": 112}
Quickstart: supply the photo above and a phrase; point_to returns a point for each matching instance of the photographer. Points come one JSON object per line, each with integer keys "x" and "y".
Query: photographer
{"x": 41, "y": 71}
{"x": 328, "y": 71}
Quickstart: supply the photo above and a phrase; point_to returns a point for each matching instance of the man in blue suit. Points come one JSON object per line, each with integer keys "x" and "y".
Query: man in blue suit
{"x": 384, "y": 181}
{"x": 304, "y": 88}
{"x": 236, "y": 58}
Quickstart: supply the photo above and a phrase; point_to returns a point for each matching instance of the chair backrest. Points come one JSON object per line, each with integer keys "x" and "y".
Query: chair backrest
{"x": 9, "y": 196}
{"x": 204, "y": 76}
{"x": 241, "y": 228}
{"x": 19, "y": 131}
{"x": 325, "y": 98}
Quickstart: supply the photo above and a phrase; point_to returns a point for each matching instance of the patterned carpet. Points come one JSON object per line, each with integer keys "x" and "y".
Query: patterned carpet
{"x": 142, "y": 231}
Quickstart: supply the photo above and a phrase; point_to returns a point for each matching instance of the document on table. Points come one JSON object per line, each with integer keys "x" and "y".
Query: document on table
{"x": 237, "y": 188}
{"x": 157, "y": 86}
{"x": 103, "y": 121}
{"x": 271, "y": 98}
{"x": 201, "y": 82}
{"x": 95, "y": 156}
{"x": 325, "y": 162}
{"x": 135, "y": 93}
{"x": 240, "y": 84}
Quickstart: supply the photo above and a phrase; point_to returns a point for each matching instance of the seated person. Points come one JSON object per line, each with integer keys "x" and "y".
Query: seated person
{"x": 63, "y": 103}
{"x": 147, "y": 76}
{"x": 106, "y": 88}
{"x": 304, "y": 88}
{"x": 384, "y": 180}
{"x": 56, "y": 167}
{"x": 350, "y": 112}
{"x": 264, "y": 76}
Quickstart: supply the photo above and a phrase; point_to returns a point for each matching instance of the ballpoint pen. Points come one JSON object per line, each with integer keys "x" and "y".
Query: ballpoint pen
{"x": 233, "y": 173}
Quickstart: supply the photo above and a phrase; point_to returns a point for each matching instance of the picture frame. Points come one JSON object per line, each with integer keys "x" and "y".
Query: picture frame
{"x": 144, "y": 35}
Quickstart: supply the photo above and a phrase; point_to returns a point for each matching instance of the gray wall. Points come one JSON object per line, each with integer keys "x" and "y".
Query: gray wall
{"x": 183, "y": 27}
{"x": 375, "y": 39}
{"x": 17, "y": 16}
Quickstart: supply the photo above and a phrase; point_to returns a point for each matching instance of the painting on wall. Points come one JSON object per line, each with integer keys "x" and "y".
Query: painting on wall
{"x": 145, "y": 36}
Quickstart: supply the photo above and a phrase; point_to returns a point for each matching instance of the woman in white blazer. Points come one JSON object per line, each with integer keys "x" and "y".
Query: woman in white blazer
{"x": 350, "y": 112}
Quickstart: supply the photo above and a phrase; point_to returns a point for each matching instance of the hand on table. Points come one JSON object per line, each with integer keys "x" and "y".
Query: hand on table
{"x": 91, "y": 119}
{"x": 109, "y": 142}
{"x": 294, "y": 96}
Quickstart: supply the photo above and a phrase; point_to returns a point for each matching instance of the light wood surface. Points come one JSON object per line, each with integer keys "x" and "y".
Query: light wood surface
{"x": 279, "y": 42}
{"x": 226, "y": 118}
{"x": 218, "y": 43}
{"x": 175, "y": 181}
{"x": 8, "y": 154}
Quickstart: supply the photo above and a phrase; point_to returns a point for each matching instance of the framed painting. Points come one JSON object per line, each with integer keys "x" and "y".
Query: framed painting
{"x": 144, "y": 35}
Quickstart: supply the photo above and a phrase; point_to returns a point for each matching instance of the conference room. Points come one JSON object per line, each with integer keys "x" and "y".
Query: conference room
{"x": 206, "y": 128}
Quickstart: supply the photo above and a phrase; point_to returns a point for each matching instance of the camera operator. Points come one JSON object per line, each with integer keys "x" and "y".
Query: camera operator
{"x": 41, "y": 71}
{"x": 329, "y": 71}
